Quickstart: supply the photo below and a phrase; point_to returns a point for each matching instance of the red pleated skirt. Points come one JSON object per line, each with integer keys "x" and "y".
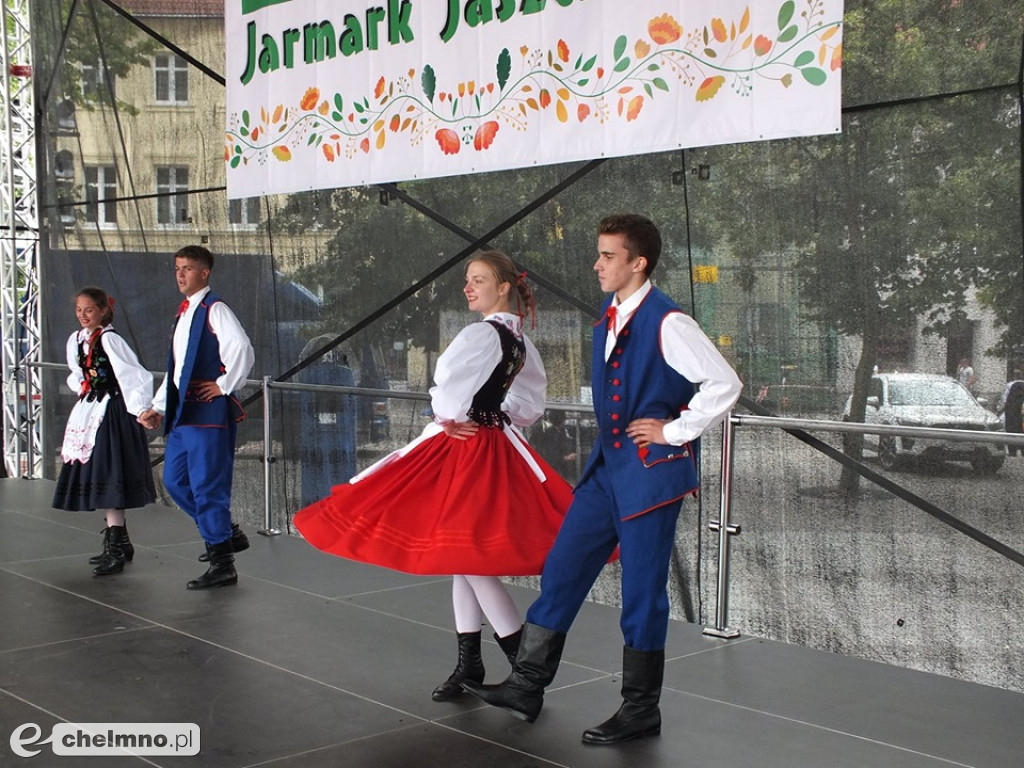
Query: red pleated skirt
{"x": 449, "y": 506}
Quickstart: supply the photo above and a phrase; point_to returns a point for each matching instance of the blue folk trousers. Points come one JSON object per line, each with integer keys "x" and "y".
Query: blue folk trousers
{"x": 588, "y": 536}
{"x": 199, "y": 465}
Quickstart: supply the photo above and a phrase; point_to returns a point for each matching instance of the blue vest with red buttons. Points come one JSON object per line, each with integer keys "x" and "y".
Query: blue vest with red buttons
{"x": 635, "y": 382}
{"x": 202, "y": 363}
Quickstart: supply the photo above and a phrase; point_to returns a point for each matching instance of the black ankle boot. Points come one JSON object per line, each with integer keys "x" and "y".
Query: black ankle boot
{"x": 116, "y": 547}
{"x": 127, "y": 548}
{"x": 522, "y": 693}
{"x": 470, "y": 666}
{"x": 639, "y": 715}
{"x": 239, "y": 542}
{"x": 221, "y": 572}
{"x": 509, "y": 645}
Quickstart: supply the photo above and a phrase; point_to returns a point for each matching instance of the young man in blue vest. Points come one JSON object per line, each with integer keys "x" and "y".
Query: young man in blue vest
{"x": 209, "y": 359}
{"x": 658, "y": 384}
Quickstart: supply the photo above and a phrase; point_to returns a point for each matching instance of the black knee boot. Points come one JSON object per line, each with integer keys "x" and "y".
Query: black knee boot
{"x": 510, "y": 645}
{"x": 116, "y": 548}
{"x": 470, "y": 666}
{"x": 639, "y": 715}
{"x": 221, "y": 572}
{"x": 239, "y": 542}
{"x": 126, "y": 547}
{"x": 522, "y": 693}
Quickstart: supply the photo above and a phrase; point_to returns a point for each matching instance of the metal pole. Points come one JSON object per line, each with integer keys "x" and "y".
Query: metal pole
{"x": 268, "y": 461}
{"x": 724, "y": 530}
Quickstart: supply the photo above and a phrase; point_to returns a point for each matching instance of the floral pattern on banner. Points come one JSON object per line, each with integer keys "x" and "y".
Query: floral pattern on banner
{"x": 468, "y": 116}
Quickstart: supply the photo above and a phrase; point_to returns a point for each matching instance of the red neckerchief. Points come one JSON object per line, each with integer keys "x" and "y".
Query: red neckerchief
{"x": 612, "y": 314}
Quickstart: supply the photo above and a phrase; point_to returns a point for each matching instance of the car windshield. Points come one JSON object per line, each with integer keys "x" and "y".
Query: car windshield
{"x": 928, "y": 393}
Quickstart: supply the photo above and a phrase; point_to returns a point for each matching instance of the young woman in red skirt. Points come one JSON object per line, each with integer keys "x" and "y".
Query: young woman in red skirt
{"x": 469, "y": 495}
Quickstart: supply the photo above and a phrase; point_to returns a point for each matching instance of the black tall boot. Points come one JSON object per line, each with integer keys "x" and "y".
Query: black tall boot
{"x": 639, "y": 715}
{"x": 127, "y": 548}
{"x": 470, "y": 666}
{"x": 522, "y": 693}
{"x": 116, "y": 547}
{"x": 239, "y": 542}
{"x": 221, "y": 572}
{"x": 510, "y": 645}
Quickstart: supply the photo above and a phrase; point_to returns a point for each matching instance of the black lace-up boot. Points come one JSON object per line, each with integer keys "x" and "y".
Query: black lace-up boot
{"x": 116, "y": 547}
{"x": 470, "y": 666}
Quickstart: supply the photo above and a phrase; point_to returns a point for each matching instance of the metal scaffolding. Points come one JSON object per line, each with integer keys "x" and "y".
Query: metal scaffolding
{"x": 19, "y": 238}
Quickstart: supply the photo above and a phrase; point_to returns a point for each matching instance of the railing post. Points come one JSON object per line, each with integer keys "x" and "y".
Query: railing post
{"x": 268, "y": 461}
{"x": 724, "y": 530}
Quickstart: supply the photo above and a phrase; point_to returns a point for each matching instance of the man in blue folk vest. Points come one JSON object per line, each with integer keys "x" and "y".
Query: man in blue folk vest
{"x": 209, "y": 359}
{"x": 658, "y": 384}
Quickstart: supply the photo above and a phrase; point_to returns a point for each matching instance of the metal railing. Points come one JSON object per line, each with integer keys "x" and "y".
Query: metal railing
{"x": 726, "y": 529}
{"x": 723, "y": 525}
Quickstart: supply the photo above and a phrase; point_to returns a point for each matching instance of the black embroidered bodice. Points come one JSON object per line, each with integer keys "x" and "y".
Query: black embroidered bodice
{"x": 97, "y": 370}
{"x": 486, "y": 408}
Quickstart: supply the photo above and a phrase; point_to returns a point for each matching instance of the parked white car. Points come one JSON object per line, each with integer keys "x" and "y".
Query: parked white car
{"x": 928, "y": 400}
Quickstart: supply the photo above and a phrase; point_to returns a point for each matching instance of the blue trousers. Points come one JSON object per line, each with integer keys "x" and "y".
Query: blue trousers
{"x": 586, "y": 540}
{"x": 199, "y": 464}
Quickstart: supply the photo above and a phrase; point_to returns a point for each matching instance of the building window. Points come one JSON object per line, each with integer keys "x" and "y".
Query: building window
{"x": 93, "y": 85}
{"x": 172, "y": 188}
{"x": 170, "y": 77}
{"x": 244, "y": 213}
{"x": 100, "y": 191}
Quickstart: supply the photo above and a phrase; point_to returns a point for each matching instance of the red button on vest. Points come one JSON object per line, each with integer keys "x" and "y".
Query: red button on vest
{"x": 616, "y": 431}
{"x": 617, "y": 444}
{"x": 615, "y": 364}
{"x": 615, "y": 417}
{"x": 616, "y": 398}
{"x": 616, "y": 383}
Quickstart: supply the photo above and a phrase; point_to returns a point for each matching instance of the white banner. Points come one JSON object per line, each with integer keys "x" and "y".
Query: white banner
{"x": 335, "y": 93}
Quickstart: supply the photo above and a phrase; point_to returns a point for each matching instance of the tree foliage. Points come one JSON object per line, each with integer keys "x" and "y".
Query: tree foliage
{"x": 98, "y": 48}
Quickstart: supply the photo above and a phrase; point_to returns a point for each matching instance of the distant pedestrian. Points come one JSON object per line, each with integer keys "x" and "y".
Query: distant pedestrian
{"x": 1011, "y": 402}
{"x": 965, "y": 375}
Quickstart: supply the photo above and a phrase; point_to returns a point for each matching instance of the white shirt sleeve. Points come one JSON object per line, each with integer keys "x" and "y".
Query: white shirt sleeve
{"x": 524, "y": 402}
{"x": 690, "y": 353}
{"x": 136, "y": 382}
{"x": 462, "y": 369}
{"x": 75, "y": 378}
{"x": 236, "y": 350}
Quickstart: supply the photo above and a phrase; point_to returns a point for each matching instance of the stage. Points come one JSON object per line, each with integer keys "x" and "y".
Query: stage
{"x": 314, "y": 661}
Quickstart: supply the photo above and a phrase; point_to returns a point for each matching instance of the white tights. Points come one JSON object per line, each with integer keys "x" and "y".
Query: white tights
{"x": 115, "y": 517}
{"x": 474, "y": 597}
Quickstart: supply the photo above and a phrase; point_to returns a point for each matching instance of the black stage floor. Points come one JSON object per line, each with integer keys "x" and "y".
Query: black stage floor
{"x": 314, "y": 661}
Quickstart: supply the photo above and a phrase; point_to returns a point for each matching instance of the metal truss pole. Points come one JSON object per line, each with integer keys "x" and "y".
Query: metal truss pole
{"x": 19, "y": 240}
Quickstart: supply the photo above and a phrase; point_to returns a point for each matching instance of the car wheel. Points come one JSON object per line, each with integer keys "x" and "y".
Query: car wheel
{"x": 887, "y": 455}
{"x": 987, "y": 464}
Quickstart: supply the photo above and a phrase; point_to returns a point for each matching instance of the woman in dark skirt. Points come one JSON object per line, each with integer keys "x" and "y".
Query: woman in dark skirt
{"x": 105, "y": 452}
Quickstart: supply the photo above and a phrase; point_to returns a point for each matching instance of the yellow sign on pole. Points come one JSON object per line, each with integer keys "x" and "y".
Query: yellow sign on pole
{"x": 705, "y": 274}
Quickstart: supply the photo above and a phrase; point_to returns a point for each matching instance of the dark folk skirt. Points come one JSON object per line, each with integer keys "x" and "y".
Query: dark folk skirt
{"x": 118, "y": 475}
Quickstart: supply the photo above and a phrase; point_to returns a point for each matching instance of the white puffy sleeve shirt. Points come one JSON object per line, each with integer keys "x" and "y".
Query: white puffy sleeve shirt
{"x": 691, "y": 354}
{"x": 134, "y": 381}
{"x": 470, "y": 360}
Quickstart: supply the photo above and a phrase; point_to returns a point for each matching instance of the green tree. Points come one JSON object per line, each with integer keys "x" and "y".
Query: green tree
{"x": 99, "y": 48}
{"x": 914, "y": 204}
